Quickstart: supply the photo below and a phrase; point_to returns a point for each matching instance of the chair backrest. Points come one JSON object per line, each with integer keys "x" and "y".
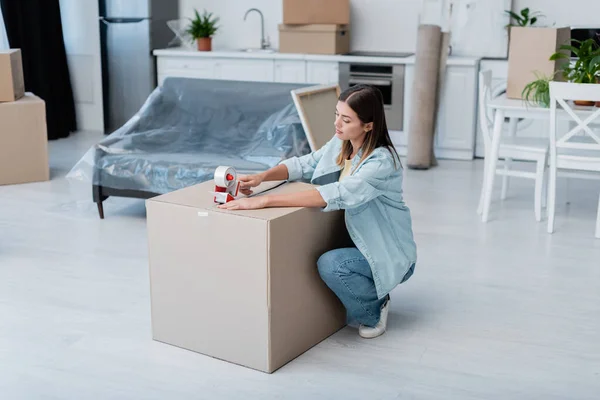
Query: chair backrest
{"x": 485, "y": 115}
{"x": 581, "y": 137}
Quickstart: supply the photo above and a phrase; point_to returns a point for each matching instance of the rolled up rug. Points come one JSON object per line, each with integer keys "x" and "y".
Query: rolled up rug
{"x": 424, "y": 98}
{"x": 444, "y": 53}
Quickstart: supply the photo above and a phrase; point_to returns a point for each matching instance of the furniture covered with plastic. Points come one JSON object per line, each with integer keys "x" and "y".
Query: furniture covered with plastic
{"x": 187, "y": 128}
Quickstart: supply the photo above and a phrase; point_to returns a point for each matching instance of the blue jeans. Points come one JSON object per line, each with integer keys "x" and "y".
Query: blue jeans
{"x": 348, "y": 275}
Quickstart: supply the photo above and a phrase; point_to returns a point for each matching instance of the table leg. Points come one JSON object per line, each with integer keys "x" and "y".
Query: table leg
{"x": 512, "y": 126}
{"x": 512, "y": 131}
{"x": 492, "y": 163}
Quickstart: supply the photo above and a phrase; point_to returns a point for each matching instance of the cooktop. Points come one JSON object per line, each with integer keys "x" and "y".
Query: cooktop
{"x": 379, "y": 54}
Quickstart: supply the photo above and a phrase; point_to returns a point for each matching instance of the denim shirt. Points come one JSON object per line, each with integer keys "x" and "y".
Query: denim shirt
{"x": 377, "y": 218}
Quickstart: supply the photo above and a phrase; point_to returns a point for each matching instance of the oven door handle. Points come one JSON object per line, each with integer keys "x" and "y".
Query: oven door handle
{"x": 370, "y": 82}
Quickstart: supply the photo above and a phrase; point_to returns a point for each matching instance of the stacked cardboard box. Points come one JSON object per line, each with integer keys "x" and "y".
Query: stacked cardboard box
{"x": 315, "y": 26}
{"x": 241, "y": 286}
{"x": 23, "y": 137}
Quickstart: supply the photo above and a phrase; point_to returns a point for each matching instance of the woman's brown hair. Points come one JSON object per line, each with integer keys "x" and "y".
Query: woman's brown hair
{"x": 367, "y": 103}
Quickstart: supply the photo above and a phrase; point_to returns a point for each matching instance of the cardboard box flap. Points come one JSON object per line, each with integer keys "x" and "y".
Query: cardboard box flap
{"x": 314, "y": 28}
{"x": 199, "y": 196}
{"x": 12, "y": 86}
{"x": 29, "y": 98}
{"x": 9, "y": 51}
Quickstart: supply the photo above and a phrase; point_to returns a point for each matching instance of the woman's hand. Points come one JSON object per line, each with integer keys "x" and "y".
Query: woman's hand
{"x": 250, "y": 181}
{"x": 248, "y": 203}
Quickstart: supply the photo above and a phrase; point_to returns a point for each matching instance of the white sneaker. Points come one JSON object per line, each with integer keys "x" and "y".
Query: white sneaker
{"x": 369, "y": 332}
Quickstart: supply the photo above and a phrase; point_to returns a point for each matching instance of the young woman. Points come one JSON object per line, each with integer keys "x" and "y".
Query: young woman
{"x": 358, "y": 171}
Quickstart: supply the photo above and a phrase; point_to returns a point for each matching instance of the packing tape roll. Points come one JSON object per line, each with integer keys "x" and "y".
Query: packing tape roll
{"x": 221, "y": 176}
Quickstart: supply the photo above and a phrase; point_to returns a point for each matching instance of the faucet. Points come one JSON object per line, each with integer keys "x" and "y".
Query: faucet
{"x": 263, "y": 43}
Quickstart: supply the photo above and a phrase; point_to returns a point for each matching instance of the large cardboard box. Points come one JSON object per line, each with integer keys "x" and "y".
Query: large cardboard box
{"x": 314, "y": 39}
{"x": 303, "y": 12}
{"x": 12, "y": 86}
{"x": 241, "y": 286}
{"x": 529, "y": 52}
{"x": 23, "y": 141}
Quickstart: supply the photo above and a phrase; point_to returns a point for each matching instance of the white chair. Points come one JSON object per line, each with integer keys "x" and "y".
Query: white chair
{"x": 598, "y": 220}
{"x": 511, "y": 148}
{"x": 577, "y": 150}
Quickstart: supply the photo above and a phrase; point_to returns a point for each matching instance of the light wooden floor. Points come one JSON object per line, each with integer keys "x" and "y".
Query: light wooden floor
{"x": 496, "y": 311}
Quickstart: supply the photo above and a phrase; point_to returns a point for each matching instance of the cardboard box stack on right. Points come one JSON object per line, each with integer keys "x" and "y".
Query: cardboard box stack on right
{"x": 315, "y": 27}
{"x": 529, "y": 52}
{"x": 23, "y": 137}
{"x": 241, "y": 286}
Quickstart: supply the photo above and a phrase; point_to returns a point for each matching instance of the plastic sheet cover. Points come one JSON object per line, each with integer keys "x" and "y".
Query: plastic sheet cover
{"x": 188, "y": 127}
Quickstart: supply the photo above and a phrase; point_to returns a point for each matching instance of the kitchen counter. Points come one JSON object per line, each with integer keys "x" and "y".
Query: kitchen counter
{"x": 455, "y": 131}
{"x": 184, "y": 52}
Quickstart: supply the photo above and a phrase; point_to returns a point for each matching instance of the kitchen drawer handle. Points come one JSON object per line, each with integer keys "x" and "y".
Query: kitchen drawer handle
{"x": 370, "y": 82}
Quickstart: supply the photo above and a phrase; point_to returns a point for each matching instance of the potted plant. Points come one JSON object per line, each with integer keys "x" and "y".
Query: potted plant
{"x": 586, "y": 68}
{"x": 538, "y": 91}
{"x": 524, "y": 18}
{"x": 202, "y": 28}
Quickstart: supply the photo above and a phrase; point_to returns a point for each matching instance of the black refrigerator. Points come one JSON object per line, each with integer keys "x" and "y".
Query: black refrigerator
{"x": 129, "y": 31}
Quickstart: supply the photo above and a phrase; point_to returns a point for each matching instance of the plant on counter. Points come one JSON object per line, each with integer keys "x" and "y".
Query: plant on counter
{"x": 202, "y": 28}
{"x": 524, "y": 18}
{"x": 586, "y": 68}
{"x": 538, "y": 91}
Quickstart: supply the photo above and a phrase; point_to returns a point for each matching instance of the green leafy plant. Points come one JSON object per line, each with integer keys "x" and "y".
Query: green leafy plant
{"x": 203, "y": 26}
{"x": 586, "y": 68}
{"x": 524, "y": 18}
{"x": 538, "y": 91}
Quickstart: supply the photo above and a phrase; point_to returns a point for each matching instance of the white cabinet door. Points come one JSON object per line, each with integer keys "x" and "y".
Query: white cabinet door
{"x": 185, "y": 67}
{"x": 245, "y": 70}
{"x": 456, "y": 119}
{"x": 457, "y": 113}
{"x": 290, "y": 71}
{"x": 400, "y": 138}
{"x": 322, "y": 72}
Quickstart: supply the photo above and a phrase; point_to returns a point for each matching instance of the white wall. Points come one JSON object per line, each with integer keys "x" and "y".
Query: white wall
{"x": 233, "y": 31}
{"x": 81, "y": 35}
{"x": 383, "y": 25}
{"x": 564, "y": 13}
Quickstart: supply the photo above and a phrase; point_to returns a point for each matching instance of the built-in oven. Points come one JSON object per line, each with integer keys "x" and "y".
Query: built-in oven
{"x": 388, "y": 78}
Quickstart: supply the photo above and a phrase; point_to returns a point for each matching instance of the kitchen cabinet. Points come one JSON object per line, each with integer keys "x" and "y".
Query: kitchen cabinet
{"x": 244, "y": 70}
{"x": 456, "y": 122}
{"x": 290, "y": 71}
{"x": 185, "y": 67}
{"x": 215, "y": 68}
{"x": 322, "y": 72}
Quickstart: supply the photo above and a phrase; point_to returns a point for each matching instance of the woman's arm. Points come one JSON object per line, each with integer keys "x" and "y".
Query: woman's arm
{"x": 309, "y": 198}
{"x": 277, "y": 173}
